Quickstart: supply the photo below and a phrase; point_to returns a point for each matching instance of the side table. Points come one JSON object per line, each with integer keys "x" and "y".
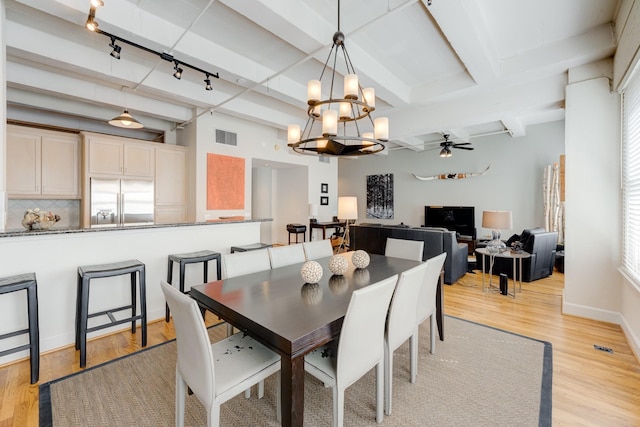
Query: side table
{"x": 517, "y": 275}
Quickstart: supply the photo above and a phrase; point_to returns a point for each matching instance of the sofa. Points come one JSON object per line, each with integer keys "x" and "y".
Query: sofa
{"x": 373, "y": 239}
{"x": 540, "y": 244}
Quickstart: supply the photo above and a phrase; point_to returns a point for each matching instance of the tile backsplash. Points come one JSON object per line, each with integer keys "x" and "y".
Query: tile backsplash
{"x": 69, "y": 211}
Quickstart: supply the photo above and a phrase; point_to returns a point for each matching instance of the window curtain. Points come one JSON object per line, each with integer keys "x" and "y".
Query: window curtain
{"x": 553, "y": 206}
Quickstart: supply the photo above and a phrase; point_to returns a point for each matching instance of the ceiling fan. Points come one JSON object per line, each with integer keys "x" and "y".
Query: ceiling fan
{"x": 448, "y": 145}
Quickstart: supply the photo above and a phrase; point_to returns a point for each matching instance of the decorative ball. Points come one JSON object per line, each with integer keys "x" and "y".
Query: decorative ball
{"x": 338, "y": 264}
{"x": 311, "y": 272}
{"x": 311, "y": 293}
{"x": 360, "y": 259}
{"x": 338, "y": 284}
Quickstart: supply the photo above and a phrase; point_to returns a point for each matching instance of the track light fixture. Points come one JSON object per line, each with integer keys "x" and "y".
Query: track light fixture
{"x": 207, "y": 82}
{"x": 91, "y": 24}
{"x": 178, "y": 73}
{"x": 116, "y": 49}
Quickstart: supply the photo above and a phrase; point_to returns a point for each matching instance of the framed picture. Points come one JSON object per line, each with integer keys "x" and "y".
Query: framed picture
{"x": 324, "y": 200}
{"x": 324, "y": 188}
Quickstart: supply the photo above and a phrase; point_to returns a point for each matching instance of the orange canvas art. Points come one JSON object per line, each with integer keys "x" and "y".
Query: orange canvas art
{"x": 225, "y": 182}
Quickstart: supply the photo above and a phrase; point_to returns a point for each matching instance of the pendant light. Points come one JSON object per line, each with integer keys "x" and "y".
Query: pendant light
{"x": 125, "y": 120}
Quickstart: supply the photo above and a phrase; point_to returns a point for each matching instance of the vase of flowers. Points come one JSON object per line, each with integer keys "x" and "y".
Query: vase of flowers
{"x": 35, "y": 219}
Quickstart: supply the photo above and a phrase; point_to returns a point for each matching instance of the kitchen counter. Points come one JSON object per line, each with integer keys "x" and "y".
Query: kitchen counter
{"x": 55, "y": 230}
{"x": 54, "y": 256}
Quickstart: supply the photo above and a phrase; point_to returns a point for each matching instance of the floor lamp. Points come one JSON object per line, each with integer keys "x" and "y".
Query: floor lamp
{"x": 348, "y": 211}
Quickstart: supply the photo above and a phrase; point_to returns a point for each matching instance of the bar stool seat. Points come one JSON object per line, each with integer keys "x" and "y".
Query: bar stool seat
{"x": 297, "y": 229}
{"x": 191, "y": 258}
{"x": 25, "y": 282}
{"x": 88, "y": 272}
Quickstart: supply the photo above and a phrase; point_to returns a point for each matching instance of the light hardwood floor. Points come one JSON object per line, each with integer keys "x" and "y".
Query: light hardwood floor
{"x": 590, "y": 387}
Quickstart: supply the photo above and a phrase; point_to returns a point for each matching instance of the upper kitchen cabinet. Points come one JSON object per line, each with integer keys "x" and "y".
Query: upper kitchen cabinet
{"x": 42, "y": 164}
{"x": 171, "y": 184}
{"x": 117, "y": 157}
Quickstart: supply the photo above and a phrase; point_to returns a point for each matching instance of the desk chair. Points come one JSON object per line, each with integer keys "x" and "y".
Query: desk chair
{"x": 360, "y": 347}
{"x": 215, "y": 373}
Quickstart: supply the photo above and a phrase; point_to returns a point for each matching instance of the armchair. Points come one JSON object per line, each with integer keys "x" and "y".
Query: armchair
{"x": 540, "y": 244}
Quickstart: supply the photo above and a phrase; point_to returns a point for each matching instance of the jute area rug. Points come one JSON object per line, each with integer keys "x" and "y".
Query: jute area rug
{"x": 479, "y": 376}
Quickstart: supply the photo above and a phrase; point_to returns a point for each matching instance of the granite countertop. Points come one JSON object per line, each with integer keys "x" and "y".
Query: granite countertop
{"x": 53, "y": 230}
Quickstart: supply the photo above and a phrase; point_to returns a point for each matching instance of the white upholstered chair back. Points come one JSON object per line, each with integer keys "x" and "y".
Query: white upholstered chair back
{"x": 407, "y": 249}
{"x": 317, "y": 249}
{"x": 240, "y": 263}
{"x": 286, "y": 255}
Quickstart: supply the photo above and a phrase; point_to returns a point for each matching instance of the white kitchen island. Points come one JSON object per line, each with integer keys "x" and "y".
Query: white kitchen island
{"x": 55, "y": 255}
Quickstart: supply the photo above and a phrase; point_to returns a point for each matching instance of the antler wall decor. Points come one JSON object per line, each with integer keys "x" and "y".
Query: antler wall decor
{"x": 452, "y": 175}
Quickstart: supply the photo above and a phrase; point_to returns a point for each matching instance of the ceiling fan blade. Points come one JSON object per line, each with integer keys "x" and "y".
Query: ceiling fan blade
{"x": 463, "y": 148}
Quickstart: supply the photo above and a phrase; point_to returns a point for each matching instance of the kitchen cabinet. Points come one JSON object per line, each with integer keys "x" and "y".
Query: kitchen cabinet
{"x": 42, "y": 164}
{"x": 171, "y": 184}
{"x": 115, "y": 157}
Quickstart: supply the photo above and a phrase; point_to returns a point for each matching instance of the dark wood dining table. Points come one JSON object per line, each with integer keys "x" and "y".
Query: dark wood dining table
{"x": 291, "y": 317}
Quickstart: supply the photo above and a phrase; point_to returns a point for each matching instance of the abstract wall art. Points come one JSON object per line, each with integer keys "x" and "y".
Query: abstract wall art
{"x": 225, "y": 182}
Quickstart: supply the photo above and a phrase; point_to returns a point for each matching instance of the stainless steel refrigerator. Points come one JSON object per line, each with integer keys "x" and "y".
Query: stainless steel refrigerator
{"x": 121, "y": 202}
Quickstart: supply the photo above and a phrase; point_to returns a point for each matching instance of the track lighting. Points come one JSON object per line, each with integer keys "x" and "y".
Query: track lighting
{"x": 116, "y": 49}
{"x": 178, "y": 73}
{"x": 91, "y": 24}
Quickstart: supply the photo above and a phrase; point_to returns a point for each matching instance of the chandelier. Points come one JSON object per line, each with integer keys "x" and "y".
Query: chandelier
{"x": 347, "y": 128}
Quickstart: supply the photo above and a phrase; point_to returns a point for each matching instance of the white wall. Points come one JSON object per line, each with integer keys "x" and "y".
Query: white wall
{"x": 292, "y": 202}
{"x": 593, "y": 215}
{"x": 514, "y": 181}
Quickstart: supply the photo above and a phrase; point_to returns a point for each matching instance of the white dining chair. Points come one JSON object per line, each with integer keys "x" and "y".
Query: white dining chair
{"x": 286, "y": 255}
{"x": 427, "y": 301}
{"x": 359, "y": 348}
{"x": 215, "y": 372}
{"x": 317, "y": 249}
{"x": 401, "y": 324}
{"x": 240, "y": 263}
{"x": 402, "y": 248}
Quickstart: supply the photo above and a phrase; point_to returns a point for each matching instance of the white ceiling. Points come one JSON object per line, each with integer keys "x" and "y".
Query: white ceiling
{"x": 464, "y": 67}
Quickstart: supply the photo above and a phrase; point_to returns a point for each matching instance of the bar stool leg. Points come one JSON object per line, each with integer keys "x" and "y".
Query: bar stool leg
{"x": 169, "y": 278}
{"x": 182, "y": 274}
{"x": 34, "y": 334}
{"x": 78, "y": 309}
{"x": 133, "y": 301}
{"x": 84, "y": 317}
{"x": 143, "y": 305}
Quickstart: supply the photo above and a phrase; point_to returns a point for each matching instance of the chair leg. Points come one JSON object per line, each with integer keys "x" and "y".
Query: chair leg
{"x": 379, "y": 391}
{"x": 213, "y": 415}
{"x": 247, "y": 393}
{"x": 432, "y": 338}
{"x": 180, "y": 398}
{"x": 34, "y": 334}
{"x": 388, "y": 378}
{"x": 413, "y": 349}
{"x": 278, "y": 399}
{"x": 261, "y": 389}
{"x": 338, "y": 406}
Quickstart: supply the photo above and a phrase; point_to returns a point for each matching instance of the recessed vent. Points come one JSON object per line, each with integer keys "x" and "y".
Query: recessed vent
{"x": 228, "y": 138}
{"x": 324, "y": 159}
{"x": 603, "y": 348}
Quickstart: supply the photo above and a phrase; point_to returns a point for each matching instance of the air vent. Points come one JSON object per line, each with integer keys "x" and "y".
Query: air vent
{"x": 228, "y": 138}
{"x": 324, "y": 159}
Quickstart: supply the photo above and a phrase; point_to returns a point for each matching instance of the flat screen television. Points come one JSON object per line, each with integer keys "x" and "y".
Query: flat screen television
{"x": 460, "y": 219}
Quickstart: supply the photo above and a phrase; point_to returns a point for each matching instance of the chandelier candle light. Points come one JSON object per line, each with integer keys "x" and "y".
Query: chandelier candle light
{"x": 343, "y": 120}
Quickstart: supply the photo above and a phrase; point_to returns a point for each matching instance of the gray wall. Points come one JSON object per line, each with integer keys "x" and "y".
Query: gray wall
{"x": 513, "y": 183}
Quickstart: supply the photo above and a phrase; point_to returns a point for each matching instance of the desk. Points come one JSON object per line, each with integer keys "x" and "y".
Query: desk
{"x": 515, "y": 256}
{"x": 275, "y": 308}
{"x": 324, "y": 225}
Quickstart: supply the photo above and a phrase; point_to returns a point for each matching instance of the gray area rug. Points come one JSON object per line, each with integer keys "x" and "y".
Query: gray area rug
{"x": 478, "y": 376}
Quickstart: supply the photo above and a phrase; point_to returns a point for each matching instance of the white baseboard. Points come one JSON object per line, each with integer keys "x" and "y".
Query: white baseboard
{"x": 634, "y": 341}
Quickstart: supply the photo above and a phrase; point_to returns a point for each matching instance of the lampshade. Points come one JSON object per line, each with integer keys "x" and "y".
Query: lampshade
{"x": 348, "y": 207}
{"x": 125, "y": 120}
{"x": 313, "y": 210}
{"x": 497, "y": 220}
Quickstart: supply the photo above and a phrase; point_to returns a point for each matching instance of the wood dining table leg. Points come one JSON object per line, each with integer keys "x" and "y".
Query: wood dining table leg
{"x": 292, "y": 391}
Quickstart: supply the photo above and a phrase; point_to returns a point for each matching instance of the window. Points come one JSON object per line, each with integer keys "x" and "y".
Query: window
{"x": 631, "y": 177}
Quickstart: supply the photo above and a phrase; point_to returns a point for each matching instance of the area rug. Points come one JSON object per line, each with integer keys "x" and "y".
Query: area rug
{"x": 478, "y": 376}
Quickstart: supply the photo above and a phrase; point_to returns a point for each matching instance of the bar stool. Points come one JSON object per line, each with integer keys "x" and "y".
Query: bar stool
{"x": 297, "y": 229}
{"x": 88, "y": 272}
{"x": 26, "y": 282}
{"x": 190, "y": 258}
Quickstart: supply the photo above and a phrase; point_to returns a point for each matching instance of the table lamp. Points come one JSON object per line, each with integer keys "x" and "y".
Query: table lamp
{"x": 313, "y": 210}
{"x": 347, "y": 210}
{"x": 496, "y": 221}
